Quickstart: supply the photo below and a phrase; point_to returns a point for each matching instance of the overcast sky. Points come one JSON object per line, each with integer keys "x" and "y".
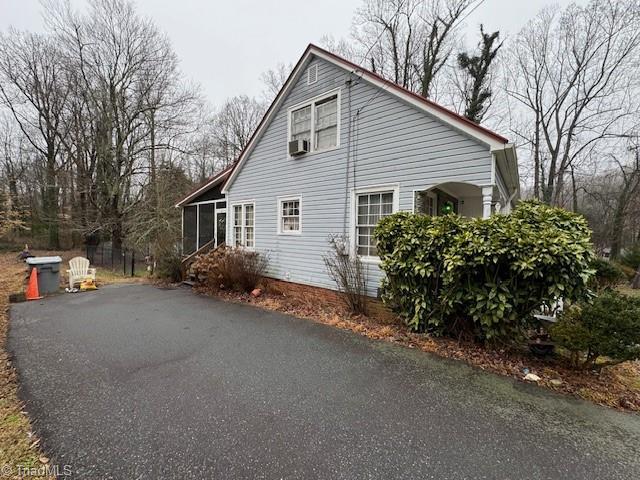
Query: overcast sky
{"x": 225, "y": 45}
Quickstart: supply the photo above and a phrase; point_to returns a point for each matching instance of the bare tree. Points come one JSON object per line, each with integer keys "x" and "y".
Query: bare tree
{"x": 233, "y": 125}
{"x": 13, "y": 167}
{"x": 127, "y": 73}
{"x": 33, "y": 87}
{"x": 440, "y": 20}
{"x": 341, "y": 47}
{"x": 575, "y": 77}
{"x": 103, "y": 90}
{"x": 273, "y": 80}
{"x": 629, "y": 189}
{"x": 389, "y": 34}
{"x": 409, "y": 41}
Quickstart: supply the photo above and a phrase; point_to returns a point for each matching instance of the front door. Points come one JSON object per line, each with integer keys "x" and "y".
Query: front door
{"x": 221, "y": 226}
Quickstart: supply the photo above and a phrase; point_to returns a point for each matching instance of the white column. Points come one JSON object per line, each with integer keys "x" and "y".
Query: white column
{"x": 487, "y": 197}
{"x": 197, "y": 226}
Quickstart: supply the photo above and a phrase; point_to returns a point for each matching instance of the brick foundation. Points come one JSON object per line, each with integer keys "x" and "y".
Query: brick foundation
{"x": 324, "y": 296}
{"x": 303, "y": 292}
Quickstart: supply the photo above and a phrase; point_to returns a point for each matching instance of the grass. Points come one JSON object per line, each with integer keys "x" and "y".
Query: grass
{"x": 18, "y": 444}
{"x": 104, "y": 276}
{"x": 627, "y": 290}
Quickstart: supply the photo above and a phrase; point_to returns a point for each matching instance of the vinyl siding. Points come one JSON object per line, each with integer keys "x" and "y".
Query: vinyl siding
{"x": 393, "y": 143}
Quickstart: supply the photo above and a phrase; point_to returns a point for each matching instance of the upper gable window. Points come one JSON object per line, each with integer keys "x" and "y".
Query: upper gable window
{"x": 301, "y": 124}
{"x": 326, "y": 123}
{"x": 317, "y": 120}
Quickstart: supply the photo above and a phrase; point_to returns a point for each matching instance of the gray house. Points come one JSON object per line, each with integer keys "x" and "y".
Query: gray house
{"x": 339, "y": 148}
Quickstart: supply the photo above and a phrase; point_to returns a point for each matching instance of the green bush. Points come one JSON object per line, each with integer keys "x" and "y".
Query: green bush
{"x": 607, "y": 274}
{"x": 453, "y": 275}
{"x": 631, "y": 257}
{"x": 169, "y": 265}
{"x": 608, "y": 327}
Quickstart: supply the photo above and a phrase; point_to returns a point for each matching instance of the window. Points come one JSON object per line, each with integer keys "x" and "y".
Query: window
{"x": 244, "y": 225}
{"x": 317, "y": 122}
{"x": 289, "y": 221}
{"x": 301, "y": 124}
{"x": 248, "y": 226}
{"x": 326, "y": 124}
{"x": 371, "y": 206}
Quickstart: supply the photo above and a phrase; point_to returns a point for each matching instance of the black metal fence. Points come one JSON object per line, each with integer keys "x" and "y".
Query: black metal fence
{"x": 127, "y": 261}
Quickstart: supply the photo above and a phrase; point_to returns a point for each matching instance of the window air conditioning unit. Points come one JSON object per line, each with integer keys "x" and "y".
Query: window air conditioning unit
{"x": 298, "y": 147}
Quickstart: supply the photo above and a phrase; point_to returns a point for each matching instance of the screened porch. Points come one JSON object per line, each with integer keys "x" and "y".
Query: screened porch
{"x": 202, "y": 223}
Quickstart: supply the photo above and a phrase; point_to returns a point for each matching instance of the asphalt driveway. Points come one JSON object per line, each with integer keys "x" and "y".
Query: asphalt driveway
{"x": 139, "y": 382}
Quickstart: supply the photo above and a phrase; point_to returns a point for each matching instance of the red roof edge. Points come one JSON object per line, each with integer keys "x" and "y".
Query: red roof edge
{"x": 455, "y": 116}
{"x": 221, "y": 175}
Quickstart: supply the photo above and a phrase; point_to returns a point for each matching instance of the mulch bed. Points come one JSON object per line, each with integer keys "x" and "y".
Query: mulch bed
{"x": 617, "y": 387}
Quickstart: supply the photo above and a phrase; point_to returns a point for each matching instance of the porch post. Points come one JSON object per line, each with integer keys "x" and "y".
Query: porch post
{"x": 487, "y": 197}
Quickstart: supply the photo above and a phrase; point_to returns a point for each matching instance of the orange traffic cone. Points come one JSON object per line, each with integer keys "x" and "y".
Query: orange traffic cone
{"x": 32, "y": 292}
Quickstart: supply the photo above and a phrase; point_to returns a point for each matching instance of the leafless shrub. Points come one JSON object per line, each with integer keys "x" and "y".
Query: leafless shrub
{"x": 233, "y": 268}
{"x": 348, "y": 273}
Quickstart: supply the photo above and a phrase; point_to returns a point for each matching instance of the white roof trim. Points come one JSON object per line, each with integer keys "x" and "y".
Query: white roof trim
{"x": 441, "y": 114}
{"x": 447, "y": 119}
{"x": 266, "y": 120}
{"x": 506, "y": 160}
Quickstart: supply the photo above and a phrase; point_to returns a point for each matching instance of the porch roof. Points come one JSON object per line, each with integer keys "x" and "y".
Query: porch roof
{"x": 217, "y": 179}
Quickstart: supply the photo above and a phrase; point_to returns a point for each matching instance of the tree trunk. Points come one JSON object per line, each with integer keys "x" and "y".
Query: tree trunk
{"x": 616, "y": 233}
{"x": 574, "y": 192}
{"x": 50, "y": 199}
{"x": 617, "y": 229}
{"x": 635, "y": 284}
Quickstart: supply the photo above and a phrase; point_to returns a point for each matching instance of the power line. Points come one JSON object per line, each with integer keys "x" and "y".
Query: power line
{"x": 471, "y": 11}
{"x": 375, "y": 42}
{"x": 387, "y": 82}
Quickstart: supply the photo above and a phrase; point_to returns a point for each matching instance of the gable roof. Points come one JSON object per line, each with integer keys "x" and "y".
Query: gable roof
{"x": 449, "y": 117}
{"x": 211, "y": 182}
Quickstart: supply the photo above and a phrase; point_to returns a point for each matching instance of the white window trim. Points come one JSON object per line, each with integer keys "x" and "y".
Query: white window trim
{"x": 286, "y": 198}
{"x": 231, "y": 219}
{"x": 312, "y": 101}
{"x": 395, "y": 188}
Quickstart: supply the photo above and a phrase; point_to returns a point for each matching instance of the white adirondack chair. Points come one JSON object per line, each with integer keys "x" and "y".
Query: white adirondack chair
{"x": 79, "y": 271}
